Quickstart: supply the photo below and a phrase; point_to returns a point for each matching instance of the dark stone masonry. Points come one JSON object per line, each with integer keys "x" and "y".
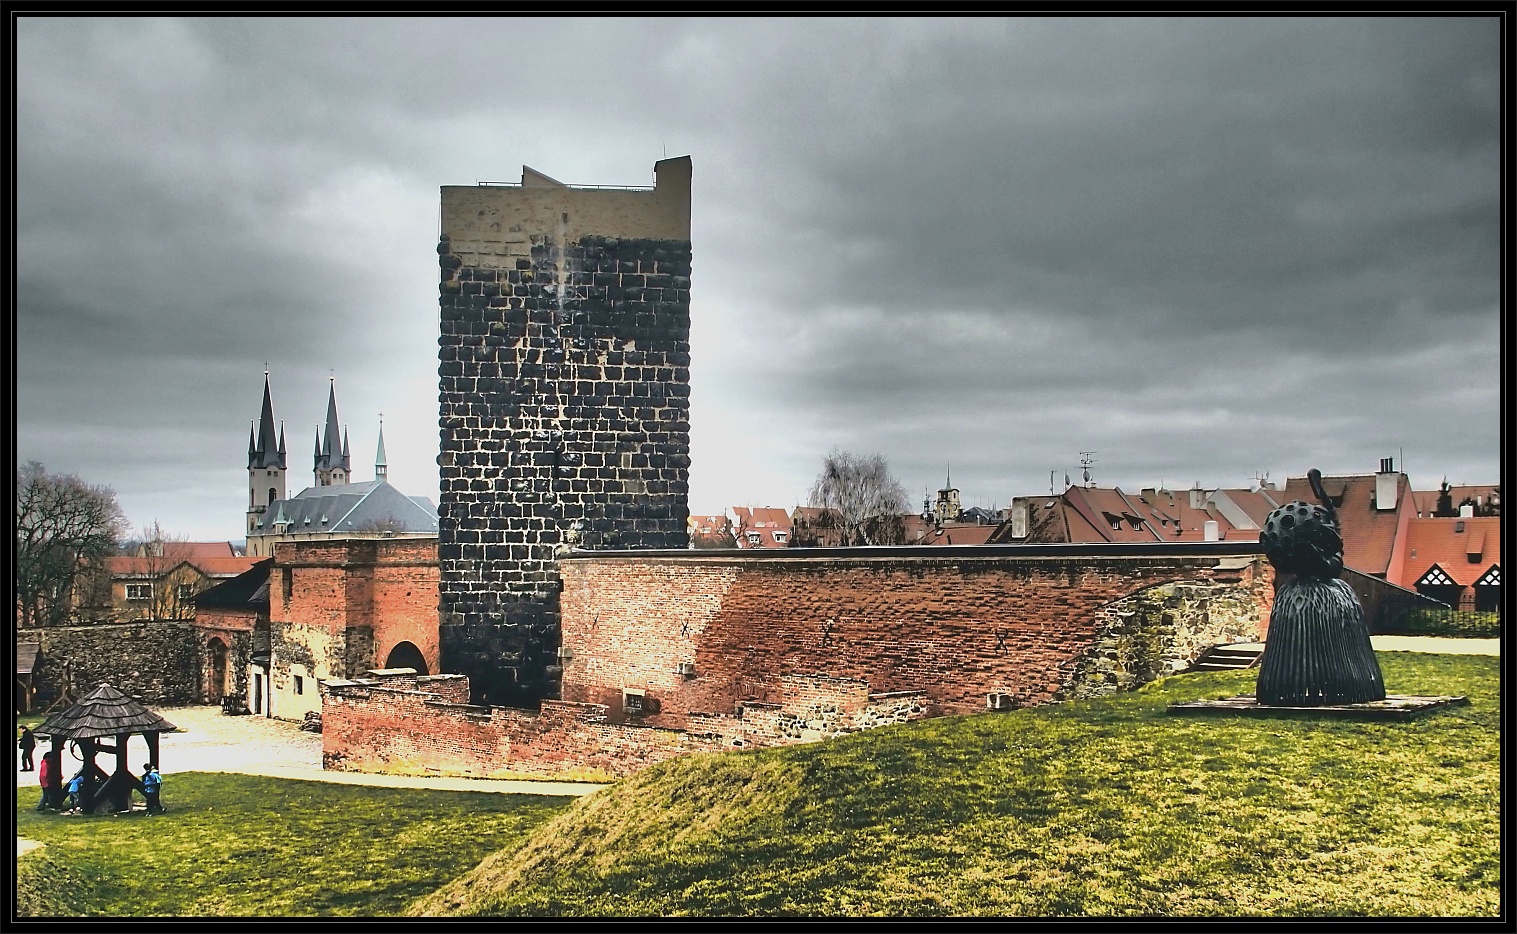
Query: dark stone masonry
{"x": 564, "y": 416}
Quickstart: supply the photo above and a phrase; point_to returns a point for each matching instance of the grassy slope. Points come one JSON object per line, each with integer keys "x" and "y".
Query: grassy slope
{"x": 245, "y": 846}
{"x": 1106, "y": 807}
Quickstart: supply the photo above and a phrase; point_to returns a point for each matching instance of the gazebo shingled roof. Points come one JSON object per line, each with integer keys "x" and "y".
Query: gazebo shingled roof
{"x": 105, "y": 712}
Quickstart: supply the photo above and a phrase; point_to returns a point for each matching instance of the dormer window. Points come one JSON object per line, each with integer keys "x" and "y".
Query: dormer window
{"x": 781, "y": 537}
{"x": 754, "y": 538}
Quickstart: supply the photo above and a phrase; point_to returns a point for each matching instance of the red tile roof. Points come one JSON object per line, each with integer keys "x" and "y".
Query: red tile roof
{"x": 1440, "y": 541}
{"x": 134, "y": 566}
{"x": 1369, "y": 534}
{"x": 191, "y": 551}
{"x": 764, "y": 522}
{"x": 953, "y": 533}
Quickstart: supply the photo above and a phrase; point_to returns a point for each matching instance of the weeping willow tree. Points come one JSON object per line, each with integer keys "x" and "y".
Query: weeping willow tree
{"x": 863, "y": 498}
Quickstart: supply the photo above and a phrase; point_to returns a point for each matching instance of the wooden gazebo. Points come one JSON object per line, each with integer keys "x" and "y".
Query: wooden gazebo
{"x": 105, "y": 714}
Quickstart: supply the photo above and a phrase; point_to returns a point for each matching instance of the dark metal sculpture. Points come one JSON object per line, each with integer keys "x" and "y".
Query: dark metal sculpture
{"x": 1318, "y": 651}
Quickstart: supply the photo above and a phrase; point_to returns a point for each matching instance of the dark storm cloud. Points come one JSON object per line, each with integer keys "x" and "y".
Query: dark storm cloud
{"x": 1187, "y": 173}
{"x": 1200, "y": 247}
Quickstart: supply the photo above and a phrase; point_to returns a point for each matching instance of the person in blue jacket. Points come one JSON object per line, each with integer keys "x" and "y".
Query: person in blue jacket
{"x": 151, "y": 783}
{"x": 74, "y": 787}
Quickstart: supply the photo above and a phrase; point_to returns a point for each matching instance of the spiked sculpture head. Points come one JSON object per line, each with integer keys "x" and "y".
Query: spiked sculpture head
{"x": 1303, "y": 539}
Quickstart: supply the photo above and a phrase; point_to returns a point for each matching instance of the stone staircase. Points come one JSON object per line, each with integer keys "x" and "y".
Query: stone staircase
{"x": 1229, "y": 657}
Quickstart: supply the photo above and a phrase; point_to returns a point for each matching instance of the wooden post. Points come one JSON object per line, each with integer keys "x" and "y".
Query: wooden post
{"x": 87, "y": 796}
{"x": 121, "y": 782}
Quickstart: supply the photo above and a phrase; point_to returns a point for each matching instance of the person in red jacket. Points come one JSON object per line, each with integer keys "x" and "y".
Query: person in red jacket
{"x": 50, "y": 779}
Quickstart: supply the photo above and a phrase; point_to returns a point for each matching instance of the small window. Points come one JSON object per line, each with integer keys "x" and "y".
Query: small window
{"x": 300, "y": 685}
{"x": 754, "y": 538}
{"x": 1136, "y": 524}
{"x": 139, "y": 591}
{"x": 632, "y": 700}
{"x": 186, "y": 592}
{"x": 781, "y": 537}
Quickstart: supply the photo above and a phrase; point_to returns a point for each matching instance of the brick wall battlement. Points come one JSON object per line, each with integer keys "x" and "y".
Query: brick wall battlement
{"x": 703, "y": 631}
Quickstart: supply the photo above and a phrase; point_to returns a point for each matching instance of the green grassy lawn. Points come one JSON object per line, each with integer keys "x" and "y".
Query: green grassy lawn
{"x": 247, "y": 846}
{"x": 1109, "y": 807}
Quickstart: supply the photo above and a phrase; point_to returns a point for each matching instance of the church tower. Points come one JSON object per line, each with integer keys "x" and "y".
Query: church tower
{"x": 267, "y": 463}
{"x": 333, "y": 461}
{"x": 949, "y": 509}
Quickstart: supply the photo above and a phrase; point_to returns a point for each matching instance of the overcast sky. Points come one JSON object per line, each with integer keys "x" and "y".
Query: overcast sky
{"x": 1202, "y": 249}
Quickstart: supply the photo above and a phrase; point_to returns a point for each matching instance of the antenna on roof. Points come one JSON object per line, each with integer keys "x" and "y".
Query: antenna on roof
{"x": 1050, "y": 484}
{"x": 1085, "y": 461}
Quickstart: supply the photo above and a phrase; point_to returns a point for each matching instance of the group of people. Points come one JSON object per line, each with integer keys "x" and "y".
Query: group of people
{"x": 58, "y": 795}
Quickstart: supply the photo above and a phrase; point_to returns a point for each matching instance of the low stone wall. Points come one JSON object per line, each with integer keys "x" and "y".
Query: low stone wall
{"x": 155, "y": 660}
{"x": 398, "y": 722}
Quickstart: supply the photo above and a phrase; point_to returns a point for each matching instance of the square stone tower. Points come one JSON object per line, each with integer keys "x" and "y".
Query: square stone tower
{"x": 564, "y": 401}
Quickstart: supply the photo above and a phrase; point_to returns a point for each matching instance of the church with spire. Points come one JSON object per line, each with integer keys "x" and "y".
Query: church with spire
{"x": 334, "y": 506}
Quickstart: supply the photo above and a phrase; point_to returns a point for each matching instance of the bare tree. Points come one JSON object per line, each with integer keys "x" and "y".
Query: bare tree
{"x": 161, "y": 562}
{"x": 63, "y": 528}
{"x": 867, "y": 500}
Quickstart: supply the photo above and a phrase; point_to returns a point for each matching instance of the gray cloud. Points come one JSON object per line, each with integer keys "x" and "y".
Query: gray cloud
{"x": 1200, "y": 247}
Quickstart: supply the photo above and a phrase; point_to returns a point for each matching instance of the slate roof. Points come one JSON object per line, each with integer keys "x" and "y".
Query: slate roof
{"x": 105, "y": 712}
{"x": 1450, "y": 543}
{"x": 350, "y": 507}
{"x": 246, "y": 590}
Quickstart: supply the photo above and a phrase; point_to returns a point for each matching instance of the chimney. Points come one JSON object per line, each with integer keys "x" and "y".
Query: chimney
{"x": 1466, "y": 511}
{"x": 1385, "y": 485}
{"x": 1197, "y": 496}
{"x": 1213, "y": 532}
{"x": 1019, "y": 520}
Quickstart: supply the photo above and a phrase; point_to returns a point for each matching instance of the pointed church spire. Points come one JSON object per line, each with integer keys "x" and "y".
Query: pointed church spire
{"x": 381, "y": 468}
{"x": 347, "y": 457}
{"x": 267, "y": 443}
{"x": 331, "y": 442}
{"x": 252, "y": 445}
{"x": 283, "y": 459}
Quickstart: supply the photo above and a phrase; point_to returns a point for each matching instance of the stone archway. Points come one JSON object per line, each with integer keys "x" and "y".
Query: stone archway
{"x": 216, "y": 672}
{"x": 407, "y": 655}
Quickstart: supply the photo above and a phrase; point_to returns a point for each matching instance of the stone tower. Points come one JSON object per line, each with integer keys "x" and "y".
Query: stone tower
{"x": 267, "y": 462}
{"x": 564, "y": 404}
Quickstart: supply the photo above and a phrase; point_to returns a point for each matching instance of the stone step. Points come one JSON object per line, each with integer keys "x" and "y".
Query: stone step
{"x": 1227, "y": 658}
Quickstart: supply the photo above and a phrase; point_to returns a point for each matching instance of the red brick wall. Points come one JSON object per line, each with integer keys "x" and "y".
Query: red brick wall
{"x": 389, "y": 585}
{"x": 792, "y": 648}
{"x": 400, "y": 723}
{"x": 956, "y": 627}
